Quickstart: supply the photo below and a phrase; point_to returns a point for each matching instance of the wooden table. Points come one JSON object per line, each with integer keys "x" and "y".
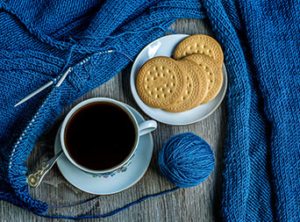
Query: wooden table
{"x": 194, "y": 204}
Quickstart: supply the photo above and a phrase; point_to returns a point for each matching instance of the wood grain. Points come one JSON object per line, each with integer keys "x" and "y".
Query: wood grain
{"x": 194, "y": 204}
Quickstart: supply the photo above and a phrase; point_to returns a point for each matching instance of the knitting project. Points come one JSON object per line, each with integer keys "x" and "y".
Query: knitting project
{"x": 41, "y": 40}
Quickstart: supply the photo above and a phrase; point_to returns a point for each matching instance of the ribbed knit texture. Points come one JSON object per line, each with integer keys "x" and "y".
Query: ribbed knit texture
{"x": 261, "y": 172}
{"x": 261, "y": 42}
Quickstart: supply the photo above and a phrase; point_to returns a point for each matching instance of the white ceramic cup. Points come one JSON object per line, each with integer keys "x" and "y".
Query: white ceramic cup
{"x": 140, "y": 130}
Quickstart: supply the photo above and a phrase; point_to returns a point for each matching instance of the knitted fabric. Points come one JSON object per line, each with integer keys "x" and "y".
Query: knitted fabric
{"x": 260, "y": 39}
{"x": 261, "y": 157}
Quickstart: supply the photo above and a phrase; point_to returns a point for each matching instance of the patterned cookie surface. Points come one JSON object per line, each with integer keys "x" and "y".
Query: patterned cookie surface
{"x": 160, "y": 82}
{"x": 195, "y": 90}
{"x": 200, "y": 44}
{"x": 213, "y": 73}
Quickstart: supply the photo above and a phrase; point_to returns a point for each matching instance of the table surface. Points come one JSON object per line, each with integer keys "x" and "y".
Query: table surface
{"x": 192, "y": 204}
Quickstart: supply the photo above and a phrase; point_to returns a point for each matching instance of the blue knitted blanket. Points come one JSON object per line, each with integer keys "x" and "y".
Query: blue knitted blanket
{"x": 40, "y": 40}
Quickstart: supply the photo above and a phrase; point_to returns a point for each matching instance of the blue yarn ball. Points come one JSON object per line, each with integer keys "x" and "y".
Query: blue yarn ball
{"x": 186, "y": 160}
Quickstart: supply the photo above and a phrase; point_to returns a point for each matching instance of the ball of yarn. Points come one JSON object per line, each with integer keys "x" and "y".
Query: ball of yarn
{"x": 186, "y": 160}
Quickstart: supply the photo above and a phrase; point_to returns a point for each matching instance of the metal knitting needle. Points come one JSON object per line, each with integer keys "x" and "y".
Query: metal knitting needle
{"x": 61, "y": 79}
{"x": 34, "y": 93}
{"x": 64, "y": 76}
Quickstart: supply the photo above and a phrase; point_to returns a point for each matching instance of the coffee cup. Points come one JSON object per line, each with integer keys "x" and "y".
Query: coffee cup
{"x": 100, "y": 136}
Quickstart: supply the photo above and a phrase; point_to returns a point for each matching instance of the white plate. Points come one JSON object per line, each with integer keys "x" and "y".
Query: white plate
{"x": 120, "y": 181}
{"x": 164, "y": 47}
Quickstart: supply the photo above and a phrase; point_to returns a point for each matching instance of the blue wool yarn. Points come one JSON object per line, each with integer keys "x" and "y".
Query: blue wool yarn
{"x": 186, "y": 160}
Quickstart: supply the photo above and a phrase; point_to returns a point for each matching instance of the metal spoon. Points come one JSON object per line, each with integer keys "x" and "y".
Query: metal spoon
{"x": 35, "y": 179}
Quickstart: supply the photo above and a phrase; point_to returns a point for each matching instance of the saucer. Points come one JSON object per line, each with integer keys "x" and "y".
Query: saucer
{"x": 112, "y": 184}
{"x": 164, "y": 47}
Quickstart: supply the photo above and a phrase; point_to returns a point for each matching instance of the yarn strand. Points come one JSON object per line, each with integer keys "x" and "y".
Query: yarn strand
{"x": 111, "y": 213}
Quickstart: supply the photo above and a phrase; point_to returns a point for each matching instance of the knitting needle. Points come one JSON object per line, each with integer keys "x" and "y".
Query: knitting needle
{"x": 62, "y": 78}
{"x": 34, "y": 93}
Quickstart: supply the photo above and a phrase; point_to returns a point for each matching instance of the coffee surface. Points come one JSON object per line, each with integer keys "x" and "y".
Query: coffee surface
{"x": 99, "y": 136}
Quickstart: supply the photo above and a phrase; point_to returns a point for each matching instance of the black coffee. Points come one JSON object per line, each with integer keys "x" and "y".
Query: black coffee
{"x": 99, "y": 136}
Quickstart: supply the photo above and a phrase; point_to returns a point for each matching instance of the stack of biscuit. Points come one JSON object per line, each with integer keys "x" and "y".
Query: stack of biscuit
{"x": 191, "y": 78}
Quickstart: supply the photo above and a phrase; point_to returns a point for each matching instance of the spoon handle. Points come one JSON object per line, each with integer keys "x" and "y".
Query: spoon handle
{"x": 35, "y": 179}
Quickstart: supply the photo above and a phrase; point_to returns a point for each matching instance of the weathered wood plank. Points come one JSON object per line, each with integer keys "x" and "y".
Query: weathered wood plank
{"x": 195, "y": 204}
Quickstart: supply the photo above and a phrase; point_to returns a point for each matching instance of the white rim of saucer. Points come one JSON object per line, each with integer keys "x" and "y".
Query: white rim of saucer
{"x": 136, "y": 180}
{"x": 145, "y": 107}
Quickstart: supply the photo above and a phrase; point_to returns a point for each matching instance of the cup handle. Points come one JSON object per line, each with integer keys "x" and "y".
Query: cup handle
{"x": 147, "y": 127}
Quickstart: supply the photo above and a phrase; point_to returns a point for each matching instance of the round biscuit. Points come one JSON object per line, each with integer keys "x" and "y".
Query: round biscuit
{"x": 160, "y": 82}
{"x": 200, "y": 44}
